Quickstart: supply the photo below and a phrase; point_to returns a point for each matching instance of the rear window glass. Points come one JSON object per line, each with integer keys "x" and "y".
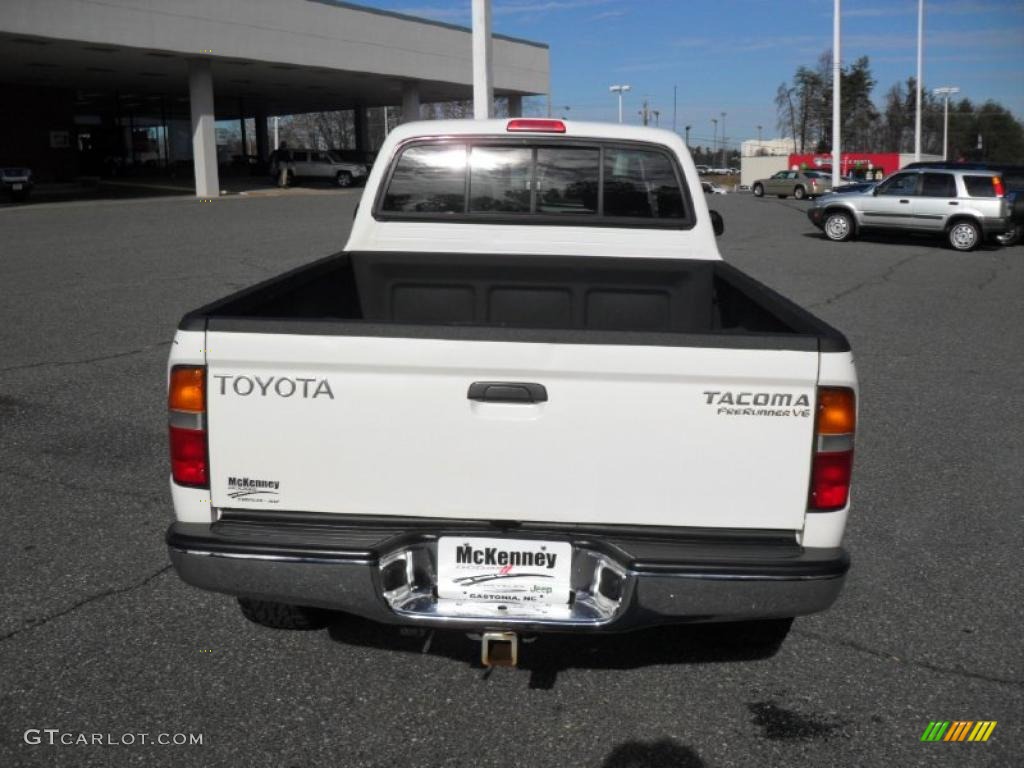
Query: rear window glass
{"x": 938, "y": 185}
{"x": 567, "y": 180}
{"x": 429, "y": 178}
{"x": 979, "y": 186}
{"x": 499, "y": 179}
{"x": 476, "y": 181}
{"x": 639, "y": 183}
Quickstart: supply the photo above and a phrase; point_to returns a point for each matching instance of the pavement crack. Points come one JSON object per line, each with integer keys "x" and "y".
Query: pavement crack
{"x": 87, "y": 360}
{"x": 873, "y": 280}
{"x": 866, "y": 649}
{"x": 33, "y": 624}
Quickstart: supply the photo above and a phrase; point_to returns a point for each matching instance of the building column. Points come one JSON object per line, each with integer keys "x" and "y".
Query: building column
{"x": 245, "y": 138}
{"x": 262, "y": 137}
{"x": 410, "y": 101}
{"x": 515, "y": 105}
{"x": 204, "y": 139}
{"x": 361, "y": 127}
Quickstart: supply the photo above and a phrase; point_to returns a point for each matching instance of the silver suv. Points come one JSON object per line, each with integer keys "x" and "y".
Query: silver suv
{"x": 966, "y": 207}
{"x": 315, "y": 164}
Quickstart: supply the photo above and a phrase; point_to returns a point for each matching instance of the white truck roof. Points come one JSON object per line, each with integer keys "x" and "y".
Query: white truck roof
{"x": 370, "y": 234}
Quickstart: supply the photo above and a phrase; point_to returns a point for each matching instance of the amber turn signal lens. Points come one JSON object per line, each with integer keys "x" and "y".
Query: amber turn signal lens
{"x": 837, "y": 411}
{"x": 188, "y": 389}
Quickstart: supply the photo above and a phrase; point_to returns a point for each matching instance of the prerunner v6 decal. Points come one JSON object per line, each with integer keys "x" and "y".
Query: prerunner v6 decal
{"x": 759, "y": 404}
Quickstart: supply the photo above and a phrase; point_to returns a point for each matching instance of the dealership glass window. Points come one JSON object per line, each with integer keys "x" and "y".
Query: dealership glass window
{"x": 428, "y": 178}
{"x": 902, "y": 184}
{"x": 641, "y": 184}
{"x": 938, "y": 185}
{"x": 567, "y": 180}
{"x": 499, "y": 179}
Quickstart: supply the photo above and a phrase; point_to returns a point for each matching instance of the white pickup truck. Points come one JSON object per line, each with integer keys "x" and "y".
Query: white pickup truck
{"x": 528, "y": 396}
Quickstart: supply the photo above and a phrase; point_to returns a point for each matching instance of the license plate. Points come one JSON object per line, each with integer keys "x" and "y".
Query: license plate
{"x": 514, "y": 571}
{"x": 15, "y": 187}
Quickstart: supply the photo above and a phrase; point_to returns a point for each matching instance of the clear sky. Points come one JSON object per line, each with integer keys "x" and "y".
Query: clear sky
{"x": 730, "y": 55}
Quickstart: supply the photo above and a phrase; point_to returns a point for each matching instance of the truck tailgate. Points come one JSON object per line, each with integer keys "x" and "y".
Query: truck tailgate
{"x": 644, "y": 435}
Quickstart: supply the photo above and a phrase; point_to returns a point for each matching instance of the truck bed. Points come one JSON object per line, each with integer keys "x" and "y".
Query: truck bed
{"x": 548, "y": 299}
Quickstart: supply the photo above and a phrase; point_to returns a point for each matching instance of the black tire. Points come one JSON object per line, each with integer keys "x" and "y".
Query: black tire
{"x": 282, "y": 615}
{"x": 343, "y": 179}
{"x": 1012, "y": 236}
{"x": 758, "y": 190}
{"x": 799, "y": 193}
{"x": 838, "y": 226}
{"x": 963, "y": 235}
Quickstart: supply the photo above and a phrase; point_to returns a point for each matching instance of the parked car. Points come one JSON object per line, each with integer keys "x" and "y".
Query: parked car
{"x": 963, "y": 206}
{"x": 518, "y": 401}
{"x": 711, "y": 188}
{"x": 1013, "y": 181}
{"x": 316, "y": 164}
{"x": 799, "y": 184}
{"x": 854, "y": 186}
{"x": 16, "y": 181}
{"x": 703, "y": 170}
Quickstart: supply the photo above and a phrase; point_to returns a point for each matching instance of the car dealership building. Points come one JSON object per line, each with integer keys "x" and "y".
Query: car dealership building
{"x": 87, "y": 83}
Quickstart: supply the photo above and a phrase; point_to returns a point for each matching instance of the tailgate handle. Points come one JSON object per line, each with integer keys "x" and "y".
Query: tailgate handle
{"x": 507, "y": 392}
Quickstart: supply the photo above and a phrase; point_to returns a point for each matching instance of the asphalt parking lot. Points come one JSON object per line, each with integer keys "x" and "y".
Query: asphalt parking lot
{"x": 98, "y": 636}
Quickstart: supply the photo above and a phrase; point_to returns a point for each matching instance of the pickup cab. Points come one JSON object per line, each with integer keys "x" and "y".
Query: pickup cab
{"x": 529, "y": 395}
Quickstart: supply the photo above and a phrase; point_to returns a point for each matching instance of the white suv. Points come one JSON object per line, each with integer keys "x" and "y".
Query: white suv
{"x": 316, "y": 164}
{"x": 964, "y": 206}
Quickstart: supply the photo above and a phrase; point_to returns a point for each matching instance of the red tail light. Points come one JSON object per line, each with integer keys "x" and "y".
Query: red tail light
{"x": 830, "y": 480}
{"x": 188, "y": 457}
{"x": 535, "y": 125}
{"x": 997, "y": 185}
{"x": 186, "y": 401}
{"x": 832, "y": 466}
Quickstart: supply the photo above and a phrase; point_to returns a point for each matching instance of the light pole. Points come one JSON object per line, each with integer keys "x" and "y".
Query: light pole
{"x": 620, "y": 89}
{"x": 759, "y": 137}
{"x": 723, "y": 140}
{"x": 837, "y": 80}
{"x": 688, "y": 136}
{"x": 945, "y": 91}
{"x": 920, "y": 50}
{"x": 714, "y": 141}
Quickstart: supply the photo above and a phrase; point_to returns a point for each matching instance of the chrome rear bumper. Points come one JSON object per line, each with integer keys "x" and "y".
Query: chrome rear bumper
{"x": 621, "y": 580}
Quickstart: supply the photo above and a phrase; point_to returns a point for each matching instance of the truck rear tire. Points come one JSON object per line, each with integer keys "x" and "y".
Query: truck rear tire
{"x": 282, "y": 615}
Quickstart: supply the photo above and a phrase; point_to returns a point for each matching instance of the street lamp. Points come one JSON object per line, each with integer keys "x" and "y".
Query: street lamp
{"x": 723, "y": 140}
{"x": 714, "y": 141}
{"x": 759, "y": 137}
{"x": 945, "y": 91}
{"x": 688, "y": 137}
{"x": 620, "y": 89}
